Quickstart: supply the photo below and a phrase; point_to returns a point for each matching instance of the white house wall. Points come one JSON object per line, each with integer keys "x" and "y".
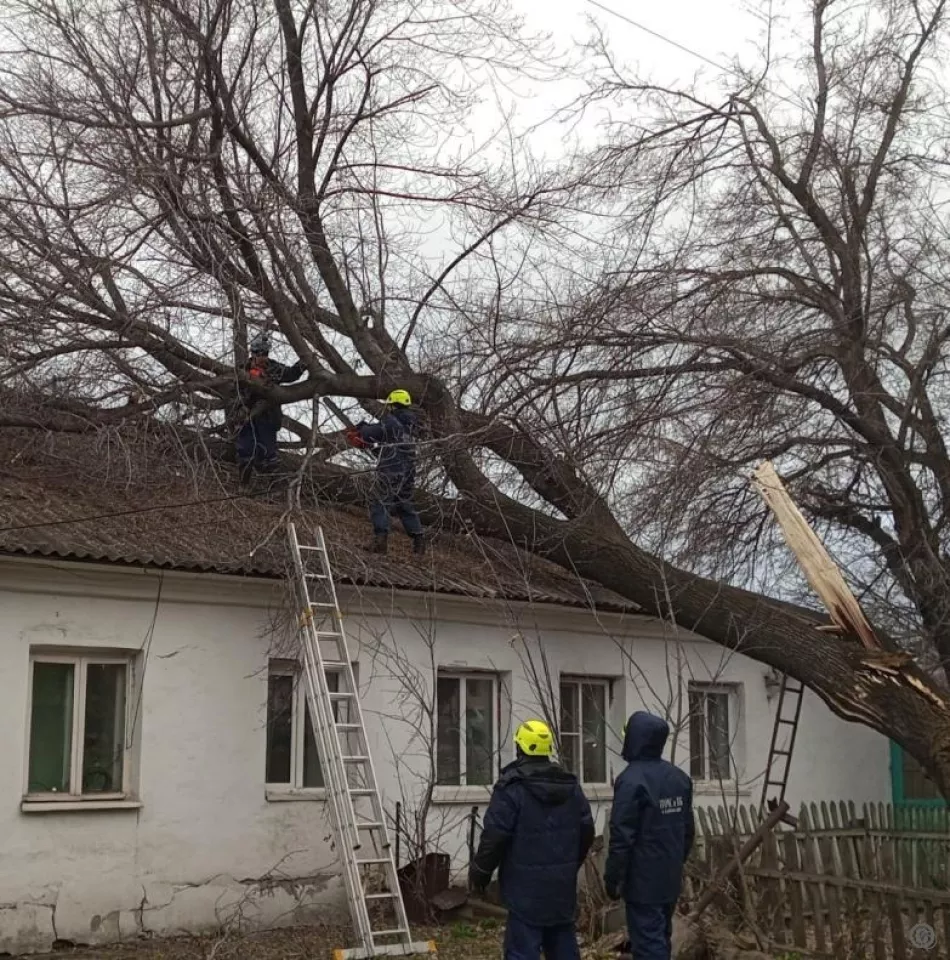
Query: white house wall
{"x": 206, "y": 847}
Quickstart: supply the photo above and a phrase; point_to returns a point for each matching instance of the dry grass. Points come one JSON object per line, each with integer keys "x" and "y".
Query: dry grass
{"x": 468, "y": 940}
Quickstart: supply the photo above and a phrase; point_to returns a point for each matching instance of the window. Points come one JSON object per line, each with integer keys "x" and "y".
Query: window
{"x": 583, "y": 729}
{"x": 911, "y": 785}
{"x": 709, "y": 732}
{"x": 78, "y": 747}
{"x": 292, "y": 759}
{"x": 466, "y": 729}
{"x": 917, "y": 785}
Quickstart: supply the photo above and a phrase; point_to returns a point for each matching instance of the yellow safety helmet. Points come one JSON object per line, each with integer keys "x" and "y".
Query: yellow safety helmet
{"x": 535, "y": 739}
{"x": 399, "y": 398}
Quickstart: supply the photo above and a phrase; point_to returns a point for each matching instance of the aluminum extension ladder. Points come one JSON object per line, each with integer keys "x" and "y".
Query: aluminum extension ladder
{"x": 359, "y": 821}
{"x": 784, "y": 731}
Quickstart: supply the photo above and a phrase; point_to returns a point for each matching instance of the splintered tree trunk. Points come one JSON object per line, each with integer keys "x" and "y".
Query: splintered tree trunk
{"x": 884, "y": 690}
{"x": 816, "y": 563}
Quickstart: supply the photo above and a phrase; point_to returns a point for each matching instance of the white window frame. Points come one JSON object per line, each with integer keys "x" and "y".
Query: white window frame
{"x": 81, "y": 661}
{"x": 461, "y": 676}
{"x": 577, "y": 681}
{"x": 294, "y": 670}
{"x": 731, "y": 693}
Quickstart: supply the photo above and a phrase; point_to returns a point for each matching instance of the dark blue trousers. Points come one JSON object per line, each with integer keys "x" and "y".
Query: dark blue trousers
{"x": 257, "y": 443}
{"x": 392, "y": 493}
{"x": 525, "y": 942}
{"x": 650, "y": 927}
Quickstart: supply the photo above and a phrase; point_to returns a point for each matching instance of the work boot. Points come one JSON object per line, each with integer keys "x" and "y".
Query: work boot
{"x": 380, "y": 543}
{"x": 419, "y": 545}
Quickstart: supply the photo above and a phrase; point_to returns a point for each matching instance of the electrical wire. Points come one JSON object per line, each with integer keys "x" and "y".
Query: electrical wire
{"x": 685, "y": 49}
{"x": 665, "y": 39}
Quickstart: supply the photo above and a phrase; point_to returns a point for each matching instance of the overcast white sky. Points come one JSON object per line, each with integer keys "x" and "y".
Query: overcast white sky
{"x": 719, "y": 30}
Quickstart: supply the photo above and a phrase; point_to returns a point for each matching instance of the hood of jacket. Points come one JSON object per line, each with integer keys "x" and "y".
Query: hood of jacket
{"x": 645, "y": 737}
{"x": 548, "y": 783}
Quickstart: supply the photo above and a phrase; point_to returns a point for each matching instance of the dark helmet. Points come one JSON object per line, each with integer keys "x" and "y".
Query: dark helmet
{"x": 260, "y": 344}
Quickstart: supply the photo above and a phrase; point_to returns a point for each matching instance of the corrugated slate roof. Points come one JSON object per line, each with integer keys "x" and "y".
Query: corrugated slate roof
{"x": 115, "y": 499}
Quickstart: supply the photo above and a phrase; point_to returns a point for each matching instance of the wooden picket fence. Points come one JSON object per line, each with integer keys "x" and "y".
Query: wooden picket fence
{"x": 847, "y": 882}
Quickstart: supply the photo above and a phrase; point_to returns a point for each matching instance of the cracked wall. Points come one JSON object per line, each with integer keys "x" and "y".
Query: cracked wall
{"x": 206, "y": 850}
{"x": 167, "y": 909}
{"x": 27, "y": 927}
{"x": 210, "y": 847}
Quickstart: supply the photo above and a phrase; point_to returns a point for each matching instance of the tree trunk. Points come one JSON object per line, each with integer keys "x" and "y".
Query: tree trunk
{"x": 695, "y": 941}
{"x": 689, "y": 939}
{"x": 883, "y": 690}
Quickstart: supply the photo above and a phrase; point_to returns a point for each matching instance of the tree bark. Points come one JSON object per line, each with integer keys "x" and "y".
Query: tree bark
{"x": 689, "y": 939}
{"x": 885, "y": 691}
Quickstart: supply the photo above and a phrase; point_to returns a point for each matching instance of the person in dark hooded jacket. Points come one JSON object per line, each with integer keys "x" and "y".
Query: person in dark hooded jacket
{"x": 392, "y": 442}
{"x": 651, "y": 834}
{"x": 537, "y": 832}
{"x": 257, "y": 438}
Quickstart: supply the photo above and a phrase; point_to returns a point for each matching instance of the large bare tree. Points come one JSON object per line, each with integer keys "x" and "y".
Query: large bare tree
{"x": 173, "y": 174}
{"x": 777, "y": 290}
{"x": 786, "y": 300}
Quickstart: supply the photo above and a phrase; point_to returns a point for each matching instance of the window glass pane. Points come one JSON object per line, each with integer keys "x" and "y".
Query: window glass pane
{"x": 312, "y": 774}
{"x": 718, "y": 733}
{"x": 103, "y": 748}
{"x": 568, "y": 754}
{"x": 697, "y": 735}
{"x": 569, "y": 718}
{"x": 448, "y": 716}
{"x": 344, "y": 711}
{"x": 51, "y": 727}
{"x": 479, "y": 732}
{"x": 593, "y": 710}
{"x": 280, "y": 706}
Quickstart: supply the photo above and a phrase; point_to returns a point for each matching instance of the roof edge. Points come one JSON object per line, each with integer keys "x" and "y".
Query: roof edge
{"x": 37, "y": 556}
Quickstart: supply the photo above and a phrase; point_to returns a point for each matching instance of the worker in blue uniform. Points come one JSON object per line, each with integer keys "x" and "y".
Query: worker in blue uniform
{"x": 651, "y": 835}
{"x": 392, "y": 440}
{"x": 257, "y": 438}
{"x": 537, "y": 832}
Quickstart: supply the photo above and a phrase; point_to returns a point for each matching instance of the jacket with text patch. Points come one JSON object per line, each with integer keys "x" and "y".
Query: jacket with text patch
{"x": 651, "y": 823}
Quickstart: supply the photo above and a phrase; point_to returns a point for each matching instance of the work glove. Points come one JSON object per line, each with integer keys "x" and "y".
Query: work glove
{"x": 354, "y": 439}
{"x": 477, "y": 880}
{"x": 613, "y": 890}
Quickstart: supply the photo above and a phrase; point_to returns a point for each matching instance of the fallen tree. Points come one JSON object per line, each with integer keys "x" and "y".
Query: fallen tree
{"x": 206, "y": 173}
